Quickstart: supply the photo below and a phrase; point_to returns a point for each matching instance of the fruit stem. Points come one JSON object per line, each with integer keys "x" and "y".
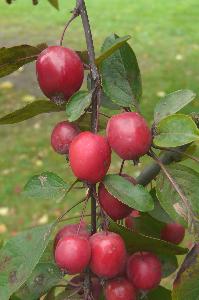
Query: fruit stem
{"x": 122, "y": 166}
{"x": 83, "y": 211}
{"x": 75, "y": 14}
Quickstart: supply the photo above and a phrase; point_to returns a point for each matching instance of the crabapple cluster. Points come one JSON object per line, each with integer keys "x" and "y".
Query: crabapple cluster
{"x": 60, "y": 74}
{"x": 105, "y": 254}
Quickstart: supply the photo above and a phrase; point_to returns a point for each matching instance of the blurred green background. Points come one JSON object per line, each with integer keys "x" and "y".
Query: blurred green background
{"x": 165, "y": 38}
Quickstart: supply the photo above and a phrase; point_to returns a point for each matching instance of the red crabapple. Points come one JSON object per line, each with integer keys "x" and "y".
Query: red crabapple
{"x": 129, "y": 220}
{"x": 111, "y": 205}
{"x": 71, "y": 229}
{"x": 144, "y": 270}
{"x": 119, "y": 289}
{"x": 108, "y": 254}
{"x": 73, "y": 253}
{"x": 60, "y": 73}
{"x": 129, "y": 135}
{"x": 62, "y": 136}
{"x": 90, "y": 156}
{"x": 114, "y": 208}
{"x": 173, "y": 233}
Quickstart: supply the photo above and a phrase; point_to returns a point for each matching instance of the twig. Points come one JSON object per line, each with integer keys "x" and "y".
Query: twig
{"x": 96, "y": 96}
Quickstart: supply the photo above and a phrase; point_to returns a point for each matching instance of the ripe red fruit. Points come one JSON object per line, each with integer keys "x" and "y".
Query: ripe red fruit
{"x": 108, "y": 254}
{"x": 129, "y": 135}
{"x": 119, "y": 289}
{"x": 173, "y": 233}
{"x": 129, "y": 222}
{"x": 73, "y": 253}
{"x": 62, "y": 136}
{"x": 71, "y": 229}
{"x": 60, "y": 73}
{"x": 111, "y": 205}
{"x": 144, "y": 270}
{"x": 90, "y": 156}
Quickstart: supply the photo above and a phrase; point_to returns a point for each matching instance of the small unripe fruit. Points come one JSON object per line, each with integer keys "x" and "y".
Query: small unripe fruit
{"x": 62, "y": 136}
{"x": 129, "y": 135}
{"x": 60, "y": 73}
{"x": 90, "y": 156}
{"x": 73, "y": 253}
{"x": 173, "y": 233}
{"x": 111, "y": 205}
{"x": 119, "y": 289}
{"x": 108, "y": 254}
{"x": 71, "y": 229}
{"x": 144, "y": 270}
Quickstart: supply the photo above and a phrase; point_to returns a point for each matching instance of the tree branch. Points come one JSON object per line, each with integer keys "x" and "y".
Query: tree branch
{"x": 96, "y": 86}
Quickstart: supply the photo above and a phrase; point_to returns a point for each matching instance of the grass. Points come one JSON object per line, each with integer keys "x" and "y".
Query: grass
{"x": 165, "y": 39}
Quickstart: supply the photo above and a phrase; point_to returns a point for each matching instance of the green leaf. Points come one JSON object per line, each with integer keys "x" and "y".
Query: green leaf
{"x": 77, "y": 105}
{"x": 119, "y": 42}
{"x": 186, "y": 285}
{"x": 31, "y": 110}
{"x": 105, "y": 100}
{"x": 139, "y": 242}
{"x": 135, "y": 196}
{"x": 187, "y": 180}
{"x": 11, "y": 59}
{"x": 43, "y": 278}
{"x": 147, "y": 225}
{"x": 158, "y": 212}
{"x": 160, "y": 293}
{"x": 172, "y": 103}
{"x": 176, "y": 130}
{"x": 46, "y": 186}
{"x": 169, "y": 264}
{"x": 19, "y": 257}
{"x": 54, "y": 3}
{"x": 121, "y": 78}
{"x": 107, "y": 103}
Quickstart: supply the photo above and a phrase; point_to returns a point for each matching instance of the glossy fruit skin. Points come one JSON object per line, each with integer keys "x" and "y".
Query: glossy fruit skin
{"x": 129, "y": 135}
{"x": 144, "y": 270}
{"x": 129, "y": 220}
{"x": 60, "y": 73}
{"x": 111, "y": 205}
{"x": 108, "y": 254}
{"x": 73, "y": 254}
{"x": 62, "y": 136}
{"x": 89, "y": 156}
{"x": 173, "y": 233}
{"x": 71, "y": 229}
{"x": 120, "y": 289}
{"x": 114, "y": 208}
